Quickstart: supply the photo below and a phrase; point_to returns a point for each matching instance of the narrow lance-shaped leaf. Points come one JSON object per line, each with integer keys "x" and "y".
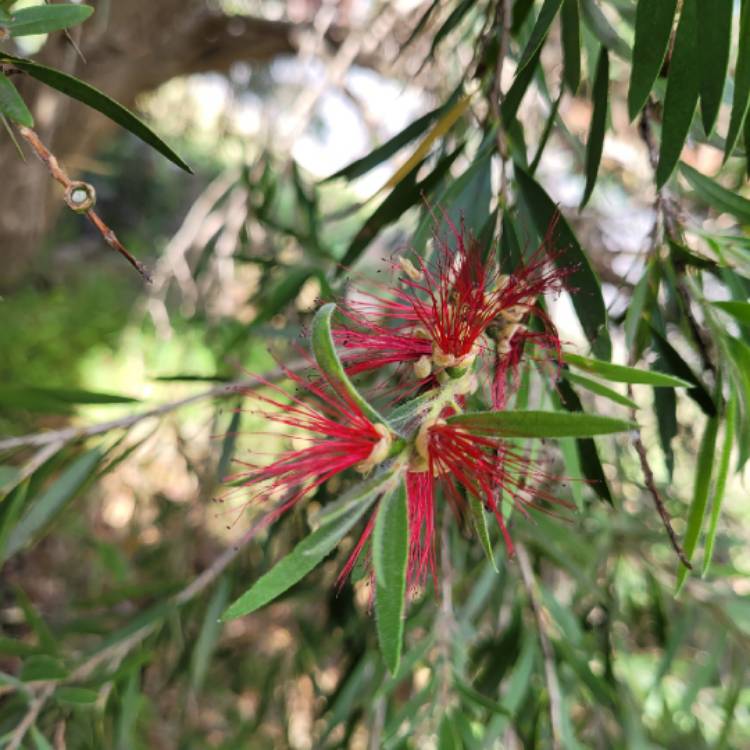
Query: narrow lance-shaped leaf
{"x": 623, "y": 374}
{"x": 740, "y": 311}
{"x": 700, "y": 495}
{"x": 539, "y": 32}
{"x": 600, "y": 389}
{"x": 12, "y": 105}
{"x": 51, "y": 501}
{"x": 393, "y": 145}
{"x": 328, "y": 360}
{"x": 587, "y": 299}
{"x": 601, "y": 28}
{"x": 479, "y": 520}
{"x": 671, "y": 360}
{"x": 715, "y": 23}
{"x": 722, "y": 473}
{"x": 741, "y": 98}
{"x": 390, "y": 552}
{"x": 97, "y": 100}
{"x": 540, "y": 424}
{"x": 595, "y": 143}
{"x": 312, "y": 550}
{"x": 653, "y": 27}
{"x": 571, "y": 43}
{"x": 718, "y": 197}
{"x": 406, "y": 194}
{"x": 42, "y": 19}
{"x": 682, "y": 92}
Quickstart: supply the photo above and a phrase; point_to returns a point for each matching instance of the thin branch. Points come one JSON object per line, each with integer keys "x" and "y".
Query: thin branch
{"x": 45, "y": 689}
{"x": 648, "y": 476}
{"x": 75, "y": 434}
{"x": 30, "y": 717}
{"x": 548, "y": 654}
{"x": 85, "y": 205}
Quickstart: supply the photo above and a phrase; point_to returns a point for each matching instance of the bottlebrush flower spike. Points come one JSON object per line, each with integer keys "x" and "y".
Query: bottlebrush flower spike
{"x": 340, "y": 437}
{"x": 438, "y": 316}
{"x": 487, "y": 469}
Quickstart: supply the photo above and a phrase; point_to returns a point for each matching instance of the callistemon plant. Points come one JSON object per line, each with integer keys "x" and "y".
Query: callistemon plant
{"x": 449, "y": 334}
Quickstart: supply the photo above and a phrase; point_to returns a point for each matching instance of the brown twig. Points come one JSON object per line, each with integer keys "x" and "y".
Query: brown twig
{"x": 83, "y": 206}
{"x": 648, "y": 476}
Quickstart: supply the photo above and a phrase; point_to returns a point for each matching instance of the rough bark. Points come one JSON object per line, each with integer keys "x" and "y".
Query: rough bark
{"x": 130, "y": 46}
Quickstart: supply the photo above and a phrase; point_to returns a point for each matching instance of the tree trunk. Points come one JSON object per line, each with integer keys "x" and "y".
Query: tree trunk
{"x": 130, "y": 47}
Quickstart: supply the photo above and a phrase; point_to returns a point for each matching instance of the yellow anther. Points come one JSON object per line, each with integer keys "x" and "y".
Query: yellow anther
{"x": 379, "y": 451}
{"x": 410, "y": 269}
{"x": 422, "y": 367}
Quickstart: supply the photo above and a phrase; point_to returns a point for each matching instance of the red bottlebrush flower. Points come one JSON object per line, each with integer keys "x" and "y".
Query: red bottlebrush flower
{"x": 340, "y": 437}
{"x": 487, "y": 468}
{"x": 438, "y": 317}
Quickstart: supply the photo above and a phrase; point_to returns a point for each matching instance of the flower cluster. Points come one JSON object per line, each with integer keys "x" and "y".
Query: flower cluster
{"x": 447, "y": 326}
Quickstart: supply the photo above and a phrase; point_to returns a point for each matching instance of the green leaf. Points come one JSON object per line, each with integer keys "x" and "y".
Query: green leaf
{"x": 715, "y": 23}
{"x": 588, "y": 454}
{"x": 328, "y": 360}
{"x": 539, "y": 424}
{"x": 700, "y": 496}
{"x": 393, "y": 145}
{"x": 406, "y": 194}
{"x": 722, "y": 473}
{"x": 623, "y": 374}
{"x": 52, "y": 501}
{"x": 42, "y": 19}
{"x": 97, "y": 100}
{"x": 595, "y": 143}
{"x": 741, "y": 98}
{"x": 209, "y": 634}
{"x": 740, "y": 311}
{"x": 40, "y": 741}
{"x": 601, "y": 28}
{"x": 57, "y": 400}
{"x": 671, "y": 360}
{"x": 587, "y": 299}
{"x": 721, "y": 199}
{"x": 42, "y": 667}
{"x": 547, "y": 14}
{"x": 682, "y": 91}
{"x": 479, "y": 519}
{"x": 12, "y": 105}
{"x": 301, "y": 560}
{"x": 653, "y": 27}
{"x": 390, "y": 553}
{"x": 571, "y": 43}
{"x": 601, "y": 390}
{"x": 76, "y": 696}
{"x": 517, "y": 90}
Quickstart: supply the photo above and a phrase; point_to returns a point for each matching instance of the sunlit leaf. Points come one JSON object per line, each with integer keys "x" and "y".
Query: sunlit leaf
{"x": 42, "y": 19}
{"x": 623, "y": 374}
